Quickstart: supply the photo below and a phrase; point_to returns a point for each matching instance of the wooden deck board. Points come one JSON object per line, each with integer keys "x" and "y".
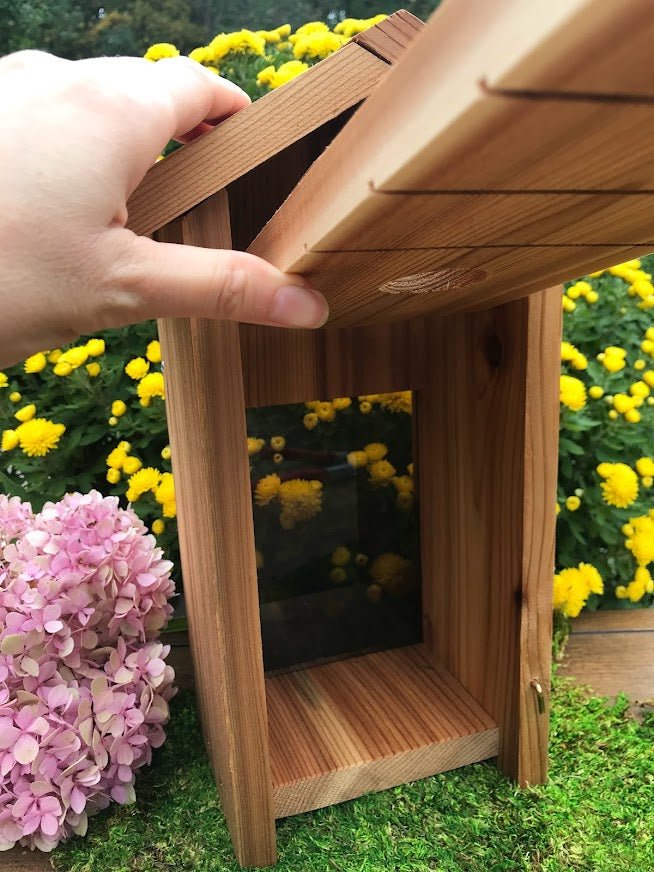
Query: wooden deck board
{"x": 613, "y": 652}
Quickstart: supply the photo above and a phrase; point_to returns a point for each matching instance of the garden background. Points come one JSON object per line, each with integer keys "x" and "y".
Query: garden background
{"x": 92, "y": 415}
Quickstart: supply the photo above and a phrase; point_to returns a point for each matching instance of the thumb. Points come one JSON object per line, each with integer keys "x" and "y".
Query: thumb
{"x": 165, "y": 280}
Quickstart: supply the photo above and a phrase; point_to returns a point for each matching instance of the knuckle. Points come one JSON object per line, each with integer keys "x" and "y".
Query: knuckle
{"x": 233, "y": 285}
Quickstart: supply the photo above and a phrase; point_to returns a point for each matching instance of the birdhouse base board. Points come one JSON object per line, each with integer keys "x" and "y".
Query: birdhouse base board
{"x": 353, "y": 726}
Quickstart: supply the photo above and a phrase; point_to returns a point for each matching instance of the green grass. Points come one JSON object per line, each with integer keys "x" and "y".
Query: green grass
{"x": 596, "y": 813}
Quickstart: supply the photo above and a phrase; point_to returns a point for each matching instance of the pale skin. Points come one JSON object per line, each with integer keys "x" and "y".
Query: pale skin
{"x": 77, "y": 138}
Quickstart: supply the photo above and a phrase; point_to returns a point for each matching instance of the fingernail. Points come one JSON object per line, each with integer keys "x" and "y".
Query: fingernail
{"x": 295, "y": 306}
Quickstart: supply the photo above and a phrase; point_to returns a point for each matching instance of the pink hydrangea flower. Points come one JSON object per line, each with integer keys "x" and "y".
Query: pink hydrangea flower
{"x": 84, "y": 686}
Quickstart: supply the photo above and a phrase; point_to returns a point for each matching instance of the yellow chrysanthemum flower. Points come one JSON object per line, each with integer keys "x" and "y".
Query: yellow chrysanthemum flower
{"x": 26, "y": 413}
{"x": 338, "y": 575}
{"x": 267, "y": 489}
{"x": 317, "y": 45}
{"x": 9, "y": 440}
{"x": 153, "y": 351}
{"x": 165, "y": 495}
{"x": 166, "y": 453}
{"x": 592, "y": 578}
{"x": 572, "y": 392}
{"x": 325, "y": 411}
{"x": 151, "y": 385}
{"x": 381, "y": 472}
{"x": 255, "y": 445}
{"x": 161, "y": 50}
{"x": 38, "y": 436}
{"x": 365, "y": 407}
{"x": 613, "y": 358}
{"x": 131, "y": 465}
{"x": 351, "y": 26}
{"x": 640, "y": 539}
{"x": 95, "y": 347}
{"x": 117, "y": 457}
{"x": 621, "y": 486}
{"x": 15, "y": 397}
{"x": 393, "y": 573}
{"x": 93, "y": 369}
{"x": 645, "y": 466}
{"x": 4, "y": 381}
{"x": 403, "y": 484}
{"x": 595, "y": 392}
{"x": 246, "y": 42}
{"x": 310, "y": 420}
{"x": 307, "y": 29}
{"x": 301, "y": 500}
{"x": 572, "y": 503}
{"x": 137, "y": 368}
{"x": 357, "y": 459}
{"x": 158, "y": 526}
{"x": 35, "y": 363}
{"x": 73, "y": 357}
{"x": 118, "y": 408}
{"x": 278, "y": 443}
{"x": 341, "y": 556}
{"x": 341, "y": 403}
{"x": 400, "y": 401}
{"x": 570, "y": 592}
{"x": 375, "y": 451}
{"x": 144, "y": 481}
{"x": 113, "y": 476}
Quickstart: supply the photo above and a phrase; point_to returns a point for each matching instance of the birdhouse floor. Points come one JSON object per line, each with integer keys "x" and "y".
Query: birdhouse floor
{"x": 367, "y": 723}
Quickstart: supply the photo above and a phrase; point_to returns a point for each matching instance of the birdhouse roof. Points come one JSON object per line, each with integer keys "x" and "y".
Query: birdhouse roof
{"x": 268, "y": 126}
{"x": 507, "y": 148}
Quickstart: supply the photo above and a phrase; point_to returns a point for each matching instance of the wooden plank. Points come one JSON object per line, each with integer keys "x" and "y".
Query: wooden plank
{"x": 630, "y": 620}
{"x": 22, "y": 860}
{"x": 206, "y": 419}
{"x": 388, "y": 39}
{"x": 368, "y": 723}
{"x": 453, "y": 135}
{"x": 271, "y": 124}
{"x": 417, "y": 281}
{"x": 612, "y": 652}
{"x": 621, "y": 35}
{"x": 486, "y": 419}
{"x": 528, "y": 762}
{"x": 293, "y": 366}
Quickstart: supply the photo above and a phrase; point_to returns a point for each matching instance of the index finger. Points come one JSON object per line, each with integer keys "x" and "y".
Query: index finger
{"x": 159, "y": 101}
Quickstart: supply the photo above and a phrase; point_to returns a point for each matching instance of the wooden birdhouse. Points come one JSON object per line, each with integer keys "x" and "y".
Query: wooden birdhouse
{"x": 432, "y": 182}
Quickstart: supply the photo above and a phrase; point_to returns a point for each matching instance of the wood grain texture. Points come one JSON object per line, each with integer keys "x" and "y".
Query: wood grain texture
{"x": 636, "y": 620}
{"x": 284, "y": 366}
{"x": 487, "y": 456}
{"x": 253, "y": 135}
{"x": 389, "y": 38}
{"x": 576, "y": 168}
{"x": 206, "y": 420}
{"x": 541, "y": 458}
{"x": 620, "y": 34}
{"x": 368, "y": 723}
{"x": 21, "y": 860}
{"x": 613, "y": 652}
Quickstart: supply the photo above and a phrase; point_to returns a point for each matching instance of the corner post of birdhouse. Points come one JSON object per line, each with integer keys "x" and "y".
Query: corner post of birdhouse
{"x": 206, "y": 419}
{"x": 487, "y": 420}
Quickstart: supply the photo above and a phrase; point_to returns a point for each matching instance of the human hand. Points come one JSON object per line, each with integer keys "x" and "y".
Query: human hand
{"x": 77, "y": 138}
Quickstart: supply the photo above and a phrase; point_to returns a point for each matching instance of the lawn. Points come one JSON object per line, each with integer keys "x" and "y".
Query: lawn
{"x": 596, "y": 813}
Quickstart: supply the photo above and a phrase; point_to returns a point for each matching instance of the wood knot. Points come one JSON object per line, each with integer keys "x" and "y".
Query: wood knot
{"x": 493, "y": 350}
{"x": 436, "y": 281}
